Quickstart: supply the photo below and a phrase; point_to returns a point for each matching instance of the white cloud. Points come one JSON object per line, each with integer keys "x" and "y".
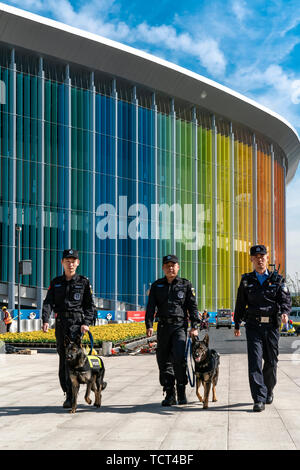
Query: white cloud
{"x": 212, "y": 57}
{"x": 206, "y": 50}
{"x": 283, "y": 82}
{"x": 240, "y": 9}
{"x": 296, "y": 91}
{"x": 293, "y": 257}
{"x": 32, "y": 5}
{"x": 293, "y": 225}
{"x": 272, "y": 87}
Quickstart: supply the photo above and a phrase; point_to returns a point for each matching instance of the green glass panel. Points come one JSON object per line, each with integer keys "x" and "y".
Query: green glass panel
{"x": 47, "y": 182}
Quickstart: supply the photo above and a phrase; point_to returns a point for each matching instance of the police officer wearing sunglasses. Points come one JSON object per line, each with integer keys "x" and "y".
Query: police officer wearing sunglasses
{"x": 262, "y": 298}
{"x": 172, "y": 301}
{"x": 70, "y": 297}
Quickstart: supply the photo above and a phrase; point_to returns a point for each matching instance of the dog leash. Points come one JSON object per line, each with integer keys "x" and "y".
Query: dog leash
{"x": 188, "y": 350}
{"x": 91, "y": 340}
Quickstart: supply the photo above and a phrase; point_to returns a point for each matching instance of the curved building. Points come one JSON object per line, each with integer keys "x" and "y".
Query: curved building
{"x": 127, "y": 157}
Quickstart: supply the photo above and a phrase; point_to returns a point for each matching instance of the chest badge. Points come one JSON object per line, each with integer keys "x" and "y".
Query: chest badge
{"x": 77, "y": 296}
{"x": 180, "y": 294}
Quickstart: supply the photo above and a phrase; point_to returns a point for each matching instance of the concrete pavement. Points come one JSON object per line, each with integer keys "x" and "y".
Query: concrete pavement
{"x": 131, "y": 416}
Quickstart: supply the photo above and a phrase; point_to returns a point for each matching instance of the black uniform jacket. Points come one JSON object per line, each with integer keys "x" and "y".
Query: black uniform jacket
{"x": 172, "y": 301}
{"x": 69, "y": 297}
{"x": 254, "y": 301}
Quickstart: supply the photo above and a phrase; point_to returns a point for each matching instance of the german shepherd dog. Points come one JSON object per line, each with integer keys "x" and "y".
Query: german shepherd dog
{"x": 81, "y": 372}
{"x": 206, "y": 368}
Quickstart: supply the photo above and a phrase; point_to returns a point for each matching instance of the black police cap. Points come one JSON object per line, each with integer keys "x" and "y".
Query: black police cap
{"x": 258, "y": 249}
{"x": 70, "y": 254}
{"x": 170, "y": 258}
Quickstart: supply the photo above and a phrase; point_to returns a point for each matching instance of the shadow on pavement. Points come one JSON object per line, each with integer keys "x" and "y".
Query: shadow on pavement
{"x": 122, "y": 409}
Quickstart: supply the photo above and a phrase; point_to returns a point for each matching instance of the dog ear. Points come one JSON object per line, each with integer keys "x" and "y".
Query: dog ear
{"x": 67, "y": 341}
{"x": 195, "y": 339}
{"x": 78, "y": 340}
{"x": 206, "y": 339}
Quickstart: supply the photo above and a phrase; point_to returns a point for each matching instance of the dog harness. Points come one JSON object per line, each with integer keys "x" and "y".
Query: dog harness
{"x": 95, "y": 362}
{"x": 91, "y": 362}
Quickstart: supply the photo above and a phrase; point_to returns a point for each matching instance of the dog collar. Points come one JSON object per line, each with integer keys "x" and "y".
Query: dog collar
{"x": 206, "y": 363}
{"x": 83, "y": 368}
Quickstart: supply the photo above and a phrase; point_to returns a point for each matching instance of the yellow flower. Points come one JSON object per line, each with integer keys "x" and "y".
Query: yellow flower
{"x": 115, "y": 332}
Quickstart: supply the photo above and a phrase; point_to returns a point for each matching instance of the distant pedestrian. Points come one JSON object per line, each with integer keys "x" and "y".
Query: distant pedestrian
{"x": 7, "y": 318}
{"x": 204, "y": 320}
{"x": 263, "y": 301}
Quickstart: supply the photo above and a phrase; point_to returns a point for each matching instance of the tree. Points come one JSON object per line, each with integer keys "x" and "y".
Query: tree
{"x": 294, "y": 286}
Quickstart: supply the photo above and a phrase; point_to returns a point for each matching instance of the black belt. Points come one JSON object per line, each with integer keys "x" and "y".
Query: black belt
{"x": 170, "y": 320}
{"x": 68, "y": 315}
{"x": 261, "y": 320}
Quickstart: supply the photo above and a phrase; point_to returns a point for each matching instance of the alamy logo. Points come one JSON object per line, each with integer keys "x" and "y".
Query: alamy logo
{"x": 157, "y": 222}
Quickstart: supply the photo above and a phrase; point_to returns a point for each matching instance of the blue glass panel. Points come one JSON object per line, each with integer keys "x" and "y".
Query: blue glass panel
{"x": 104, "y": 194}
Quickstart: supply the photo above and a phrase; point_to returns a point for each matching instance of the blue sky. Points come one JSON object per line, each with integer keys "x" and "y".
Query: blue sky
{"x": 252, "y": 47}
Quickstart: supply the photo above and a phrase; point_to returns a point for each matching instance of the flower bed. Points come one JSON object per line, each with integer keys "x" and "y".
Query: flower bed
{"x": 115, "y": 332}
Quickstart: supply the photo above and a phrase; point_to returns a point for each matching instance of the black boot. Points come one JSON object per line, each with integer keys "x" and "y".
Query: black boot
{"x": 181, "y": 394}
{"x": 170, "y": 398}
{"x": 68, "y": 401}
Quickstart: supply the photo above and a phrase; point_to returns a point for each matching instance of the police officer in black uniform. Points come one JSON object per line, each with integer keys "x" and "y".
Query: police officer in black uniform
{"x": 262, "y": 299}
{"x": 70, "y": 297}
{"x": 173, "y": 297}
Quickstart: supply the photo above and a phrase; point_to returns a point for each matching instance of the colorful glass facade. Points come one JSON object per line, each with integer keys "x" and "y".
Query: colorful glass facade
{"x": 126, "y": 176}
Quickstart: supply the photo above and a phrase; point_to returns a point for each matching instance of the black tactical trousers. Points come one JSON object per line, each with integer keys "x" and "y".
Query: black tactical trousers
{"x": 65, "y": 327}
{"x": 170, "y": 354}
{"x": 262, "y": 345}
